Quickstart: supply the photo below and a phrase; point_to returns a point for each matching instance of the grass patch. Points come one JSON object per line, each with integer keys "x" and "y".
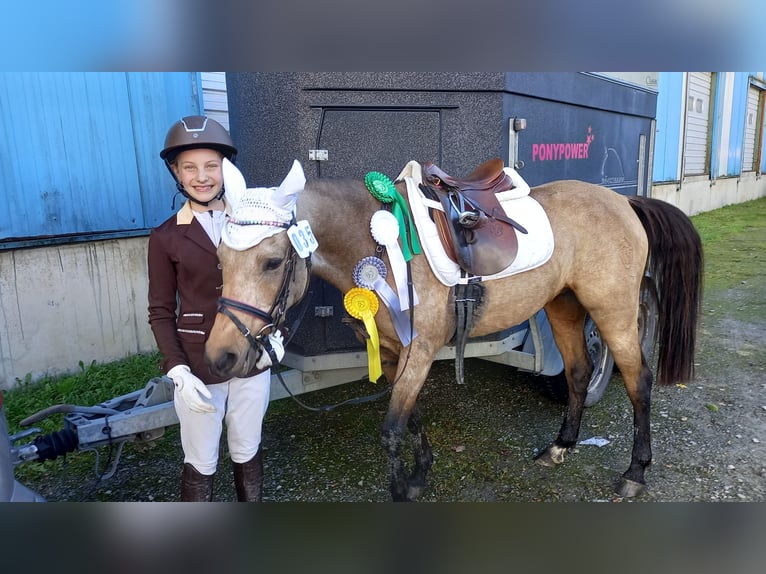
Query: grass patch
{"x": 734, "y": 240}
{"x": 91, "y": 385}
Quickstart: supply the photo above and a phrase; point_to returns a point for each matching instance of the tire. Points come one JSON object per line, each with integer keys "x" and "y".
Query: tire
{"x": 648, "y": 311}
{"x": 555, "y": 386}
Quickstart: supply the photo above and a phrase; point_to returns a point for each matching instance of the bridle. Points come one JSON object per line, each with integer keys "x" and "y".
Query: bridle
{"x": 275, "y": 316}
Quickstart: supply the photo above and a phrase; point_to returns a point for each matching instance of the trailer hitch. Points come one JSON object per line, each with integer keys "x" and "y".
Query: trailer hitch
{"x": 140, "y": 416}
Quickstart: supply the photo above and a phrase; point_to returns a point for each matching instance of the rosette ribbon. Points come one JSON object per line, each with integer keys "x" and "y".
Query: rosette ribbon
{"x": 385, "y": 231}
{"x": 363, "y": 304}
{"x": 382, "y": 189}
{"x": 370, "y": 273}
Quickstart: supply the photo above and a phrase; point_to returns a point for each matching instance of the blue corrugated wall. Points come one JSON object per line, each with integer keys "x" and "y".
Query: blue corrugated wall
{"x": 718, "y": 123}
{"x": 670, "y": 102}
{"x": 737, "y": 128}
{"x": 763, "y": 140}
{"x": 79, "y": 151}
{"x": 668, "y": 132}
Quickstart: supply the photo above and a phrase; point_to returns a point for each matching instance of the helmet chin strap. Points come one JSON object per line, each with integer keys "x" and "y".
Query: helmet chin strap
{"x": 183, "y": 192}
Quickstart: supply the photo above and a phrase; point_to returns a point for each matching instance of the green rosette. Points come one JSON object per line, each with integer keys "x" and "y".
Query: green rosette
{"x": 382, "y": 189}
{"x": 380, "y": 186}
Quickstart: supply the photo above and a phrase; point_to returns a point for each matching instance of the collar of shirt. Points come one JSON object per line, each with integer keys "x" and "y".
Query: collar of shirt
{"x": 212, "y": 222}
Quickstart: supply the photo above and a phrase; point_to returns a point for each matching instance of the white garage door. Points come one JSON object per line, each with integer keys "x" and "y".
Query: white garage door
{"x": 696, "y": 138}
{"x": 214, "y": 99}
{"x": 751, "y": 129}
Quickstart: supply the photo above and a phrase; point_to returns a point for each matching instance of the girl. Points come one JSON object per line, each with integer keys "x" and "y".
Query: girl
{"x": 185, "y": 282}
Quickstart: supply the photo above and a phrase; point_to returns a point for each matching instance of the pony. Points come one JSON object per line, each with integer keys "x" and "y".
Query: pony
{"x": 605, "y": 244}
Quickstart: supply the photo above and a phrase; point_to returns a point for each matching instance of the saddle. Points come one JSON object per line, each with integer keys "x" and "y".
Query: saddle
{"x": 474, "y": 229}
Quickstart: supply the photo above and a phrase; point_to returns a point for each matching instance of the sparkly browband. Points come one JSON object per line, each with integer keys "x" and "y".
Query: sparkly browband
{"x": 258, "y": 222}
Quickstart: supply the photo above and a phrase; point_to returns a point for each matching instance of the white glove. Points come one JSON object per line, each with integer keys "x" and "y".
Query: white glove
{"x": 191, "y": 389}
{"x": 277, "y": 343}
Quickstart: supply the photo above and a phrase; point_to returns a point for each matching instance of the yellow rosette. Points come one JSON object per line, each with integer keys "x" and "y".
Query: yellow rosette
{"x": 363, "y": 304}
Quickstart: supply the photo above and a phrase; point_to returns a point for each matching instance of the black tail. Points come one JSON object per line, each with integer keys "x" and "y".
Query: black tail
{"x": 676, "y": 264}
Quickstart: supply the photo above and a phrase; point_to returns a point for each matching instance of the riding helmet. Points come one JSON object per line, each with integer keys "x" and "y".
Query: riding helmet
{"x": 197, "y": 132}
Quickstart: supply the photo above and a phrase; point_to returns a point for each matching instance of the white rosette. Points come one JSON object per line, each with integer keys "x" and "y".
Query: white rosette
{"x": 385, "y": 231}
{"x": 370, "y": 273}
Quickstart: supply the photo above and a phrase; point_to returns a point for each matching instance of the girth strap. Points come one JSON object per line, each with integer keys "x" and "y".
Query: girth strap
{"x": 467, "y": 299}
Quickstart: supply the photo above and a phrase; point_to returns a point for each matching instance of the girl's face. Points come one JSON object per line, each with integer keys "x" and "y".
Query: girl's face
{"x": 199, "y": 171}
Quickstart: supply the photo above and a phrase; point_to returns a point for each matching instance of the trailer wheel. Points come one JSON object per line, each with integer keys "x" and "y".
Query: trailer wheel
{"x": 555, "y": 386}
{"x": 648, "y": 311}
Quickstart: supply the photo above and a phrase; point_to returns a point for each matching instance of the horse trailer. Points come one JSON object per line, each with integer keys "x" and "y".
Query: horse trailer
{"x": 548, "y": 126}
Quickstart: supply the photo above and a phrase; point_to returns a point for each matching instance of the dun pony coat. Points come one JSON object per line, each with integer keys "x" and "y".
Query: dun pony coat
{"x": 603, "y": 242}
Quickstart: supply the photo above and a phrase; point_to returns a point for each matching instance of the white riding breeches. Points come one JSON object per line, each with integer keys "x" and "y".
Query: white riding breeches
{"x": 241, "y": 404}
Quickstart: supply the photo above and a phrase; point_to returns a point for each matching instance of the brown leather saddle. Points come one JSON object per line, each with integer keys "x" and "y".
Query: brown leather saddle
{"x": 474, "y": 229}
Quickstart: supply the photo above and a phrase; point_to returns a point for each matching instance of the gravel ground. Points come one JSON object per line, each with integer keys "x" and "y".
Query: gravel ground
{"x": 708, "y": 437}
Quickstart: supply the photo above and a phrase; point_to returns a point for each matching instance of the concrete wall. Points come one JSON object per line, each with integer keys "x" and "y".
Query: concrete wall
{"x": 69, "y": 303}
{"x": 698, "y": 194}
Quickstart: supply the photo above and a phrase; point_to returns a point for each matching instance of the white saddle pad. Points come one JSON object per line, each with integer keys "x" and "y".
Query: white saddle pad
{"x": 535, "y": 247}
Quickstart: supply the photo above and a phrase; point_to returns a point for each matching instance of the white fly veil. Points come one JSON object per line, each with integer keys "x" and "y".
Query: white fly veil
{"x": 260, "y": 212}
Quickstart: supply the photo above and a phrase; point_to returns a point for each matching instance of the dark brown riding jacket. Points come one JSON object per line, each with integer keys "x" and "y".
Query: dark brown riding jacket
{"x": 185, "y": 282}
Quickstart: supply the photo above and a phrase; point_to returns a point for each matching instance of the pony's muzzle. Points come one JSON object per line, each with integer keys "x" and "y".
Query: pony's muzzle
{"x": 222, "y": 363}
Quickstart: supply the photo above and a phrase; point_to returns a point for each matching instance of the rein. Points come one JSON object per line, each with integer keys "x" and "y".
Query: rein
{"x": 356, "y": 400}
{"x": 273, "y": 320}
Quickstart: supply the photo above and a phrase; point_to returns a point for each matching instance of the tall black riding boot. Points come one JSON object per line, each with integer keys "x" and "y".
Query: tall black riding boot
{"x": 195, "y": 486}
{"x": 248, "y": 478}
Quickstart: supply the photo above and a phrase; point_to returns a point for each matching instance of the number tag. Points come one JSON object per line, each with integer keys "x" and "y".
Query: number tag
{"x": 302, "y": 238}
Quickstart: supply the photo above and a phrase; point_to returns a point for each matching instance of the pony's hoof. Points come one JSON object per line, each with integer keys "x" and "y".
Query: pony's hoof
{"x": 551, "y": 456}
{"x": 627, "y": 488}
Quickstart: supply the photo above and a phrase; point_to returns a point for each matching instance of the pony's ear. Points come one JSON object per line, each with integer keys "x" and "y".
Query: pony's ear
{"x": 293, "y": 183}
{"x": 233, "y": 182}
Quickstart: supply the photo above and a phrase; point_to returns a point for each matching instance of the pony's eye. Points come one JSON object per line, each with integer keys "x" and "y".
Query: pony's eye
{"x": 273, "y": 263}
